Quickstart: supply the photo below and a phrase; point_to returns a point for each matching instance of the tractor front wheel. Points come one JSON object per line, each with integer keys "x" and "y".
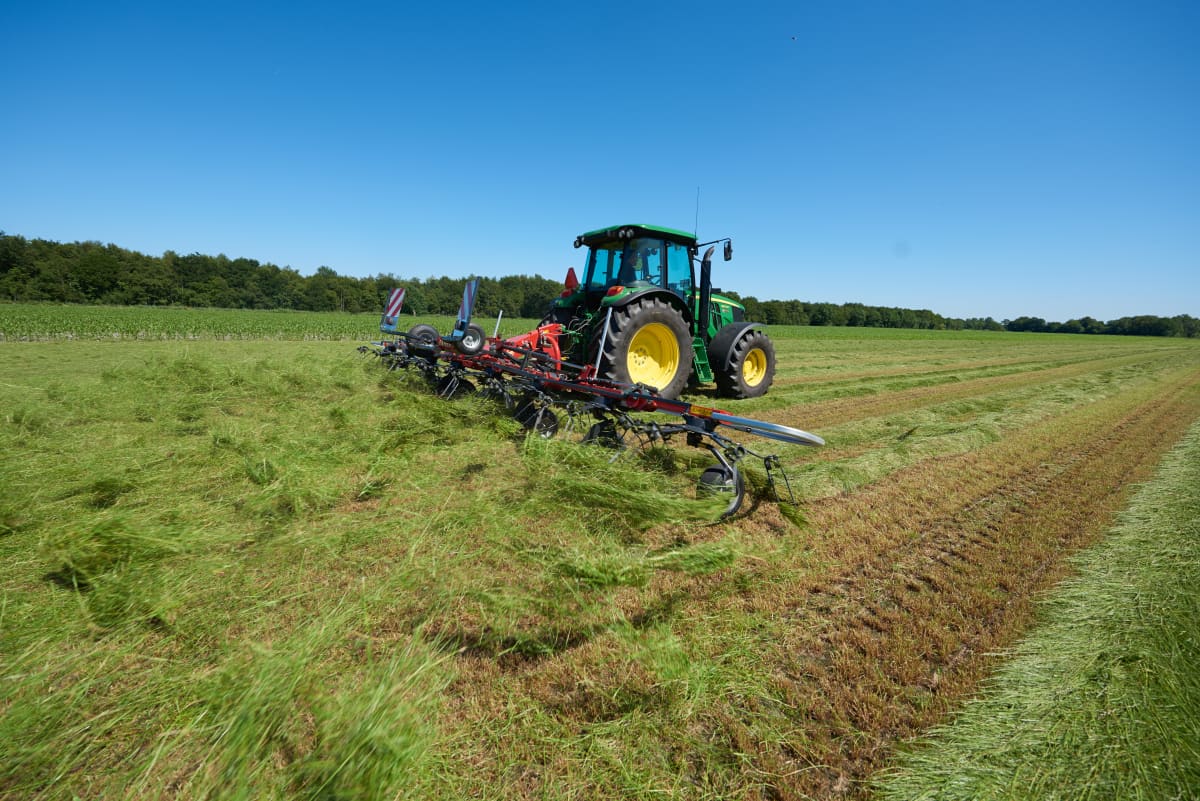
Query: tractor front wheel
{"x": 648, "y": 343}
{"x": 750, "y": 367}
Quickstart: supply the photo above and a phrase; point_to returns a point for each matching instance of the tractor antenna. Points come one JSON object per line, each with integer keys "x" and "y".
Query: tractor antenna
{"x": 696, "y": 230}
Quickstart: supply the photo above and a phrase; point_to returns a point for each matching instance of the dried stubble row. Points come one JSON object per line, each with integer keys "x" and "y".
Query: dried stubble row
{"x": 928, "y": 574}
{"x": 866, "y": 447}
{"x": 822, "y": 414}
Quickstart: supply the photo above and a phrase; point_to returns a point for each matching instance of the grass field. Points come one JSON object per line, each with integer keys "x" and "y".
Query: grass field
{"x": 1103, "y": 700}
{"x": 267, "y": 568}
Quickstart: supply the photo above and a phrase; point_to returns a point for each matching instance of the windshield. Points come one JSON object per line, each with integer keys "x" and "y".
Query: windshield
{"x": 638, "y": 262}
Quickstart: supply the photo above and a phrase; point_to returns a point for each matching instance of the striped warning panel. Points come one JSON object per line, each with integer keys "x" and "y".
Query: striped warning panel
{"x": 395, "y": 302}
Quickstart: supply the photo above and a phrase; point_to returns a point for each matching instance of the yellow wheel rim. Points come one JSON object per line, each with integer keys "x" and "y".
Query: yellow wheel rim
{"x": 653, "y": 356}
{"x": 754, "y": 368}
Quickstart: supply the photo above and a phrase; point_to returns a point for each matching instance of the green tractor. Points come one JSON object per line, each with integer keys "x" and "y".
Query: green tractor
{"x": 641, "y": 317}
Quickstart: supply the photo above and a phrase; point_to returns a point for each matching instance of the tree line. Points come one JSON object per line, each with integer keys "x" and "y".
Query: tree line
{"x": 795, "y": 312}
{"x": 1145, "y": 325}
{"x": 38, "y": 270}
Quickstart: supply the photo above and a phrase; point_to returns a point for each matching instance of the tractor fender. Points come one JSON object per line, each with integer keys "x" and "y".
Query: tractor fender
{"x": 720, "y": 347}
{"x": 638, "y": 294}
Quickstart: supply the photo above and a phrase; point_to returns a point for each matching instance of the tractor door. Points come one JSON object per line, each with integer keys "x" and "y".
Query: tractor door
{"x": 680, "y": 278}
{"x": 603, "y": 268}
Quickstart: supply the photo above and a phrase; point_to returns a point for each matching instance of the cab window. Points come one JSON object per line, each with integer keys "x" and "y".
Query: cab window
{"x": 643, "y": 262}
{"x": 603, "y": 264}
{"x": 679, "y": 269}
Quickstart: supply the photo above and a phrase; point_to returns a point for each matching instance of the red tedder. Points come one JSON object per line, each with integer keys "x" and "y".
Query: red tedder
{"x": 548, "y": 394}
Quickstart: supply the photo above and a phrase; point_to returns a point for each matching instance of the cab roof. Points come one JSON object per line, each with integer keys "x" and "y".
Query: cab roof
{"x": 633, "y": 231}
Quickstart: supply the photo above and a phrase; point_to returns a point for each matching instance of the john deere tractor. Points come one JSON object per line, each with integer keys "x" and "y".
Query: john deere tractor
{"x": 641, "y": 315}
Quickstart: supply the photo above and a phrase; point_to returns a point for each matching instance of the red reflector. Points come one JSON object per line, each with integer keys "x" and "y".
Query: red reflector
{"x": 615, "y": 290}
{"x": 572, "y": 282}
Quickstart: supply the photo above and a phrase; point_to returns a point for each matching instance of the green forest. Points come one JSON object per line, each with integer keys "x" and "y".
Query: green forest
{"x": 39, "y": 270}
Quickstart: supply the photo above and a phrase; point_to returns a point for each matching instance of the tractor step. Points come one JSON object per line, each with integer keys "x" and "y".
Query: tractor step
{"x": 704, "y": 373}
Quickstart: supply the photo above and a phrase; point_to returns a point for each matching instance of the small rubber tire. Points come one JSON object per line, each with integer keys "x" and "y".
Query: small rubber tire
{"x": 718, "y": 479}
{"x": 472, "y": 341}
{"x": 423, "y": 342}
{"x": 423, "y": 337}
{"x": 604, "y": 434}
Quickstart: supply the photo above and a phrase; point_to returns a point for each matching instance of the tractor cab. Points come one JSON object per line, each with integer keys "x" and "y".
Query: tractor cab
{"x": 634, "y": 258}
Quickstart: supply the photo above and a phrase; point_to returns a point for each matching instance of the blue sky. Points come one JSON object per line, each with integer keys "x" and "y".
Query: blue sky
{"x": 974, "y": 158}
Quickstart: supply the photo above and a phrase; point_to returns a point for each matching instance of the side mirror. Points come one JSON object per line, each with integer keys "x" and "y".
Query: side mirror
{"x": 728, "y": 249}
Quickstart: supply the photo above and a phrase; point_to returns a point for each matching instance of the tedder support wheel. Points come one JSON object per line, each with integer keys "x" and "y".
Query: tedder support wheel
{"x": 423, "y": 339}
{"x": 423, "y": 336}
{"x": 472, "y": 340}
{"x": 749, "y": 368}
{"x": 452, "y": 386}
{"x": 720, "y": 480}
{"x": 649, "y": 344}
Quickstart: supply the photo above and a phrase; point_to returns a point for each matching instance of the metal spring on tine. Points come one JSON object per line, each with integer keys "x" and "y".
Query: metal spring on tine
{"x": 773, "y": 465}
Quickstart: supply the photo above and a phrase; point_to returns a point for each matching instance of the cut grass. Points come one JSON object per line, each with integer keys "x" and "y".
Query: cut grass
{"x": 271, "y": 569}
{"x": 1103, "y": 698}
{"x": 183, "y": 520}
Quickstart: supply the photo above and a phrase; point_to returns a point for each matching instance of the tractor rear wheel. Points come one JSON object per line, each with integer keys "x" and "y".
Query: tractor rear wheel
{"x": 750, "y": 367}
{"x": 648, "y": 343}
